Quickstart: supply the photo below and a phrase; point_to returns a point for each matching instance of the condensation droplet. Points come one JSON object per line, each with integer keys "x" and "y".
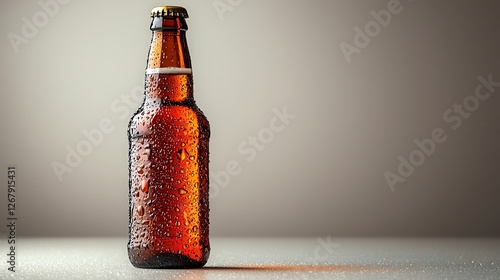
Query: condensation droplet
{"x": 186, "y": 220}
{"x": 140, "y": 210}
{"x": 145, "y": 186}
{"x": 182, "y": 191}
{"x": 182, "y": 154}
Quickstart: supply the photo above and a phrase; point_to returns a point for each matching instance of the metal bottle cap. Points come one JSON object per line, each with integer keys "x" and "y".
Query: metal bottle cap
{"x": 169, "y": 11}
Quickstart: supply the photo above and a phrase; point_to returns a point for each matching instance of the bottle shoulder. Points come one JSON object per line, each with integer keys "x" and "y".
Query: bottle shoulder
{"x": 167, "y": 118}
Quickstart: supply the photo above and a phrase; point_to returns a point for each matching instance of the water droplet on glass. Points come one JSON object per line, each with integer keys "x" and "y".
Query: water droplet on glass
{"x": 182, "y": 191}
{"x": 186, "y": 220}
{"x": 145, "y": 186}
{"x": 182, "y": 154}
{"x": 140, "y": 210}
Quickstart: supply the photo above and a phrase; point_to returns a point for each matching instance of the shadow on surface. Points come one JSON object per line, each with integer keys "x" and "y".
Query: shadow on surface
{"x": 339, "y": 268}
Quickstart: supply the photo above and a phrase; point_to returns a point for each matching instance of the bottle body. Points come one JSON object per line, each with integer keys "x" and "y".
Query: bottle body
{"x": 168, "y": 161}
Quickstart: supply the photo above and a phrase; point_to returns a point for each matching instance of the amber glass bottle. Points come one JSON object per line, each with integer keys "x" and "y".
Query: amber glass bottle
{"x": 168, "y": 156}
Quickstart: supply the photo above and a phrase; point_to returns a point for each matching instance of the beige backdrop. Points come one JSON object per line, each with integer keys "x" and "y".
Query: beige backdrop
{"x": 358, "y": 87}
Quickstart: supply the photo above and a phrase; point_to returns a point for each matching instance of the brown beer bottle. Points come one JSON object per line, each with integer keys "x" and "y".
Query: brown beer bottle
{"x": 168, "y": 156}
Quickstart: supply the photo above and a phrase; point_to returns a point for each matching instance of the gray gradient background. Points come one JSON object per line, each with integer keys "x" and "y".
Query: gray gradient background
{"x": 323, "y": 175}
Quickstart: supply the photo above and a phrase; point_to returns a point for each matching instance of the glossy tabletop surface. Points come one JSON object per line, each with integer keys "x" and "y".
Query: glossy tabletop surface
{"x": 265, "y": 258}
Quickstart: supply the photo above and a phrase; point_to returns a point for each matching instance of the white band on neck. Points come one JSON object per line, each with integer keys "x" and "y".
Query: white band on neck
{"x": 169, "y": 70}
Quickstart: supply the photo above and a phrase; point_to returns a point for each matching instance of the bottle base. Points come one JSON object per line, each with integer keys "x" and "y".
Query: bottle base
{"x": 162, "y": 260}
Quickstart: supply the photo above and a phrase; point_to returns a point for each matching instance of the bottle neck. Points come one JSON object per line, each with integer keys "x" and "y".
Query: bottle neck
{"x": 168, "y": 75}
